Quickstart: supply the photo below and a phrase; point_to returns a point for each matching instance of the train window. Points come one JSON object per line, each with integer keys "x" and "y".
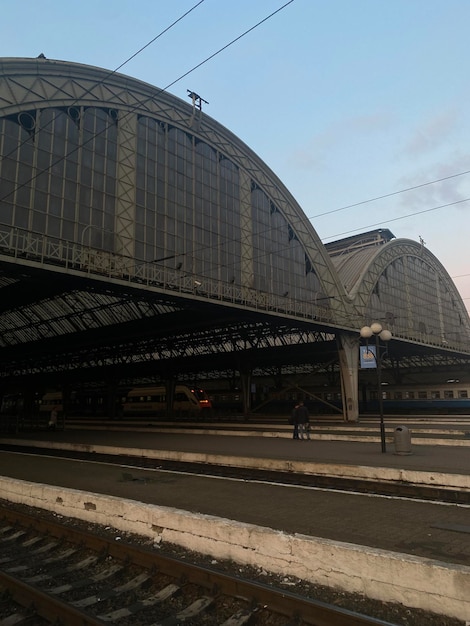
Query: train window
{"x": 410, "y": 395}
{"x": 435, "y": 395}
{"x": 448, "y": 393}
{"x": 398, "y": 395}
{"x": 463, "y": 393}
{"x": 199, "y": 393}
{"x": 422, "y": 395}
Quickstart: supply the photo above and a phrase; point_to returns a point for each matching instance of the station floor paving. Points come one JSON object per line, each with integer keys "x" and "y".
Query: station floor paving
{"x": 425, "y": 529}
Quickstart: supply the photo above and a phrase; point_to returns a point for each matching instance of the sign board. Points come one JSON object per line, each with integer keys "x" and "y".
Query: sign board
{"x": 367, "y": 357}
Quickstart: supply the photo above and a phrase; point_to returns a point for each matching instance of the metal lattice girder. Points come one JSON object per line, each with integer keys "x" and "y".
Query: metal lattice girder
{"x": 38, "y": 84}
{"x": 103, "y": 307}
{"x": 407, "y": 310}
{"x": 77, "y": 259}
{"x": 234, "y": 337}
{"x": 72, "y": 313}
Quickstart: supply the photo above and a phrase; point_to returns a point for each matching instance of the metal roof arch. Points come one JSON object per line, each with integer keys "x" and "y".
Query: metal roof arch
{"x": 33, "y": 84}
{"x": 426, "y": 307}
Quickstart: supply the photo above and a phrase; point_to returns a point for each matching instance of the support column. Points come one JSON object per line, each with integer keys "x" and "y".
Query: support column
{"x": 66, "y": 402}
{"x": 245, "y": 377}
{"x": 111, "y": 399}
{"x": 246, "y": 235}
{"x": 170, "y": 387}
{"x": 348, "y": 348}
{"x": 28, "y": 408}
{"x": 126, "y": 186}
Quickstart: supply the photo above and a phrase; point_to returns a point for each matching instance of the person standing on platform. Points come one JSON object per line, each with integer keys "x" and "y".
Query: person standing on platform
{"x": 302, "y": 418}
{"x": 293, "y": 420}
{"x": 53, "y": 419}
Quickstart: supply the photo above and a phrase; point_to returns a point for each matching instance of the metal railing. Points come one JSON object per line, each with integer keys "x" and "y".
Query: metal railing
{"x": 47, "y": 250}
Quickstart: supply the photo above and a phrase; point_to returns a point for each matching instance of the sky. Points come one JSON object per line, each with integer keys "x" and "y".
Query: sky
{"x": 347, "y": 101}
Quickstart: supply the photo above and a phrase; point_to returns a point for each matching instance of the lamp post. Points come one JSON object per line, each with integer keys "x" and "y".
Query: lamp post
{"x": 366, "y": 332}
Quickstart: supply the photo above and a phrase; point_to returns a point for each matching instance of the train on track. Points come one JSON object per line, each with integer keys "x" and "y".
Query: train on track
{"x": 152, "y": 402}
{"x": 149, "y": 401}
{"x": 213, "y": 401}
{"x": 450, "y": 398}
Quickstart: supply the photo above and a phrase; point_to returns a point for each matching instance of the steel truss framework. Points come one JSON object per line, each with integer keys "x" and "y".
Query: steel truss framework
{"x": 74, "y": 311}
{"x": 33, "y": 85}
{"x": 410, "y": 311}
{"x": 88, "y": 329}
{"x": 114, "y": 329}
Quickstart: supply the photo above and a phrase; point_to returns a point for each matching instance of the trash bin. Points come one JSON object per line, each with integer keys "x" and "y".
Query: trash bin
{"x": 402, "y": 439}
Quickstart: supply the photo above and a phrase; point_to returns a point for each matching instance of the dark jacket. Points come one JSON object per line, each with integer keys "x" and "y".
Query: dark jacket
{"x": 301, "y": 415}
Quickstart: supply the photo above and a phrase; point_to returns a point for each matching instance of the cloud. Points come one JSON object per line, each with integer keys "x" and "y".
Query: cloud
{"x": 432, "y": 133}
{"x": 318, "y": 149}
{"x": 456, "y": 187}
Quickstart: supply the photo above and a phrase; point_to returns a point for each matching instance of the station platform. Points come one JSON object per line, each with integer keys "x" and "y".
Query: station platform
{"x": 385, "y": 523}
{"x": 435, "y": 533}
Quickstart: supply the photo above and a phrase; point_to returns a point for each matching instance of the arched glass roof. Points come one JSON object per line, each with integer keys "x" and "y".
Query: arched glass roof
{"x": 126, "y": 209}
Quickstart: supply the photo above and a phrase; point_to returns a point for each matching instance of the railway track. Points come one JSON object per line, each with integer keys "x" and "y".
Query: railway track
{"x": 321, "y": 481}
{"x": 54, "y": 573}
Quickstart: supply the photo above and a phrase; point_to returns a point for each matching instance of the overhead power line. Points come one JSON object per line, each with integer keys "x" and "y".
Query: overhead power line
{"x": 105, "y": 78}
{"x": 396, "y": 219}
{"x": 228, "y": 45}
{"x": 139, "y": 104}
{"x": 205, "y": 61}
{"x": 389, "y": 195}
{"x": 211, "y": 57}
{"x": 157, "y": 37}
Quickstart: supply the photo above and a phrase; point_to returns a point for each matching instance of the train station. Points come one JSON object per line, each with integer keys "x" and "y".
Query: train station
{"x": 143, "y": 243}
{"x": 152, "y": 266}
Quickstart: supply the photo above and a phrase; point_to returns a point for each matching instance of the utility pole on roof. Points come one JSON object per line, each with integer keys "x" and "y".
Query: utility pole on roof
{"x": 196, "y": 98}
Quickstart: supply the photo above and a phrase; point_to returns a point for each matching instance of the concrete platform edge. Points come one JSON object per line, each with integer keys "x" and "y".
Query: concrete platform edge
{"x": 390, "y": 474}
{"x": 287, "y": 434}
{"x": 388, "y": 576}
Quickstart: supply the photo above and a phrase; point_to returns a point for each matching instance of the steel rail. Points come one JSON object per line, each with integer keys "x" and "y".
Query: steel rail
{"x": 306, "y": 611}
{"x": 45, "y": 605}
